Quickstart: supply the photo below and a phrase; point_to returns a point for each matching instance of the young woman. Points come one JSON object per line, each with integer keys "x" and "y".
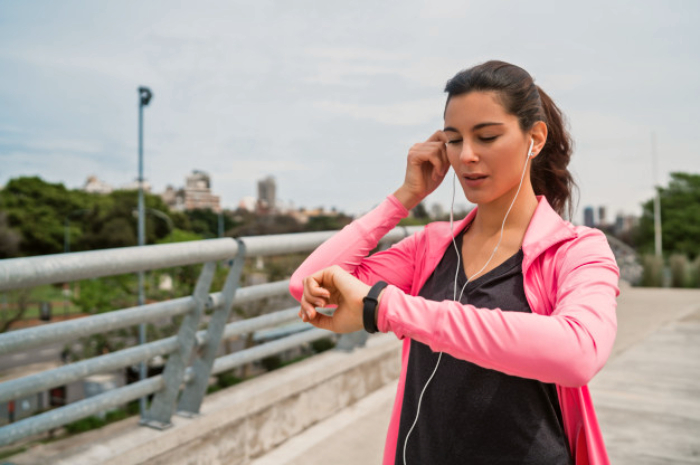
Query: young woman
{"x": 505, "y": 315}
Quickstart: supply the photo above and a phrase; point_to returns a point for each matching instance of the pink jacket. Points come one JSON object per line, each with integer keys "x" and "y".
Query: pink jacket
{"x": 570, "y": 279}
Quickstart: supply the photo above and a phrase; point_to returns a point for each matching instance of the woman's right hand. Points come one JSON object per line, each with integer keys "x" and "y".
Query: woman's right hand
{"x": 426, "y": 167}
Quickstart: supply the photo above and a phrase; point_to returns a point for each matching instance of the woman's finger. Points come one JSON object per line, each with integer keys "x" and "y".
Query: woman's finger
{"x": 315, "y": 293}
{"x": 308, "y": 308}
{"x": 438, "y": 136}
{"x": 322, "y": 321}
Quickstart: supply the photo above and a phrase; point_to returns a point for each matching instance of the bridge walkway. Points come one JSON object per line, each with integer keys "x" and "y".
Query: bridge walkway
{"x": 647, "y": 397}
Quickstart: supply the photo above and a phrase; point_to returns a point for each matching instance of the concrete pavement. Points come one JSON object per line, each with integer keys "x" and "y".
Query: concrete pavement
{"x": 647, "y": 397}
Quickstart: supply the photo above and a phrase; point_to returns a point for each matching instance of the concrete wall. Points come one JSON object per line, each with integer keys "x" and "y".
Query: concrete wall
{"x": 242, "y": 422}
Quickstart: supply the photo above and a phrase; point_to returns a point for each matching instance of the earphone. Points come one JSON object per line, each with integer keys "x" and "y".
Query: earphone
{"x": 529, "y": 154}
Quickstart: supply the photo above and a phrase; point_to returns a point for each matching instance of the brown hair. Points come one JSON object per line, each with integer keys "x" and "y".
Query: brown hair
{"x": 520, "y": 97}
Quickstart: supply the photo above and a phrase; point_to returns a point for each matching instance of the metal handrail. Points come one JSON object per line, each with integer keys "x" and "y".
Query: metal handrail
{"x": 16, "y": 273}
{"x": 25, "y": 272}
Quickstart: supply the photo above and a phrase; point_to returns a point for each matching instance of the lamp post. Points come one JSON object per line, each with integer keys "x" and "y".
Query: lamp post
{"x": 657, "y": 200}
{"x": 145, "y": 96}
{"x": 162, "y": 215}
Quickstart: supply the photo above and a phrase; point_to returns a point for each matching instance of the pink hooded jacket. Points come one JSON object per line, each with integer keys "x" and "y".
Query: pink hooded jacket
{"x": 570, "y": 279}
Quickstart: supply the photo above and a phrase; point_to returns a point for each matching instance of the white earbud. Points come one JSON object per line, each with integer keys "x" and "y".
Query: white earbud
{"x": 529, "y": 151}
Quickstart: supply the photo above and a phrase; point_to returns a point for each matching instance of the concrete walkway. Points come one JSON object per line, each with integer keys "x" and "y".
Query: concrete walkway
{"x": 647, "y": 397}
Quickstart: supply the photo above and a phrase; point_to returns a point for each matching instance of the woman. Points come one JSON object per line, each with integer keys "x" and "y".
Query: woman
{"x": 506, "y": 315}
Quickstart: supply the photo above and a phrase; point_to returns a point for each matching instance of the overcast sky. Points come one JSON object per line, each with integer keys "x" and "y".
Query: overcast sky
{"x": 328, "y": 96}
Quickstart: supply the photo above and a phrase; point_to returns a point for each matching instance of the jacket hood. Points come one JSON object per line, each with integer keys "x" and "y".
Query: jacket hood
{"x": 549, "y": 230}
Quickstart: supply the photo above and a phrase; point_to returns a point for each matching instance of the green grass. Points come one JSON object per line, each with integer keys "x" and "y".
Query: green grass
{"x": 10, "y": 452}
{"x": 46, "y": 293}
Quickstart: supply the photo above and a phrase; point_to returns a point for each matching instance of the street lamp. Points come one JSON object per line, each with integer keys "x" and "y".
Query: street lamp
{"x": 657, "y": 200}
{"x": 162, "y": 215}
{"x": 145, "y": 96}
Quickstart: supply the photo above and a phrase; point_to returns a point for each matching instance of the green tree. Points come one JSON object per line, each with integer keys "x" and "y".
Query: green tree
{"x": 37, "y": 210}
{"x": 9, "y": 238}
{"x": 680, "y": 217}
{"x": 205, "y": 222}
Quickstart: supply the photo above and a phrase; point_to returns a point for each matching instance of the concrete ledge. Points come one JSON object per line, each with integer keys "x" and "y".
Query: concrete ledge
{"x": 244, "y": 421}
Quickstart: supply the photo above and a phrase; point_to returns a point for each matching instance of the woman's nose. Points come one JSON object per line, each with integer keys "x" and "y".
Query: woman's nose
{"x": 467, "y": 154}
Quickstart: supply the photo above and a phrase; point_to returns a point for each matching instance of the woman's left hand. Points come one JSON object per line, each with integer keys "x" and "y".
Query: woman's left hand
{"x": 334, "y": 286}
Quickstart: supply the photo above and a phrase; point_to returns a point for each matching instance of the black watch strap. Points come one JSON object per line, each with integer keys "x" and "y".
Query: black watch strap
{"x": 370, "y": 306}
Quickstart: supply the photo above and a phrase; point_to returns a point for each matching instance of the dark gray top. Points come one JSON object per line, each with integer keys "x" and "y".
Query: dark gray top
{"x": 470, "y": 414}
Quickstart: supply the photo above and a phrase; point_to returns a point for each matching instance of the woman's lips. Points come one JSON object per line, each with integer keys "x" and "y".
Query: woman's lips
{"x": 475, "y": 180}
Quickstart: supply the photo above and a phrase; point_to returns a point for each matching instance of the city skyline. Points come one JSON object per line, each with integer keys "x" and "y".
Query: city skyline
{"x": 328, "y": 99}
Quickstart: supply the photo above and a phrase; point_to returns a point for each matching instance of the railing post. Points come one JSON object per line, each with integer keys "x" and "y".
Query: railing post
{"x": 191, "y": 399}
{"x": 163, "y": 405}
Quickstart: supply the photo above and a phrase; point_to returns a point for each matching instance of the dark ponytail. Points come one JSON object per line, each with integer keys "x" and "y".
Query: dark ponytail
{"x": 520, "y": 97}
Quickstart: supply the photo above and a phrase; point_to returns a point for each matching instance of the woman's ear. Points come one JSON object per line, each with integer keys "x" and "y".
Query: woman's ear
{"x": 538, "y": 134}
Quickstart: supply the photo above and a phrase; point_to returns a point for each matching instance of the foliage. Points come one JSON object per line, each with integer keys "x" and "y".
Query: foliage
{"x": 94, "y": 422}
{"x": 327, "y": 223}
{"x": 272, "y": 362}
{"x": 21, "y": 298}
{"x": 85, "y": 424}
{"x": 322, "y": 345}
{"x": 680, "y": 270}
{"x": 653, "y": 267}
{"x": 695, "y": 272}
{"x": 205, "y": 222}
{"x": 41, "y": 213}
{"x": 179, "y": 235}
{"x": 680, "y": 217}
{"x": 9, "y": 238}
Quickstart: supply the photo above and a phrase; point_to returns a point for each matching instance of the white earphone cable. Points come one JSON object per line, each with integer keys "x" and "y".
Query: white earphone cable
{"x": 454, "y": 243}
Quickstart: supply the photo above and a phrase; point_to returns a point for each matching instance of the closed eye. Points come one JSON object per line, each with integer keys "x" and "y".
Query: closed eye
{"x": 488, "y": 139}
{"x": 455, "y": 141}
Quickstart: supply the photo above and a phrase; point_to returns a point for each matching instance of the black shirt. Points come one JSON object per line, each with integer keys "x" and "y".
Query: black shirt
{"x": 470, "y": 414}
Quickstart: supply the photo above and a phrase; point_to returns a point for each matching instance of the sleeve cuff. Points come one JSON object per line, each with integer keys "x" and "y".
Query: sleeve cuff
{"x": 382, "y": 310}
{"x": 402, "y": 211}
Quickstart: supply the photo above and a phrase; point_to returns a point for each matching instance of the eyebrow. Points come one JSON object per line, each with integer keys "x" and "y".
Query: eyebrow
{"x": 478, "y": 126}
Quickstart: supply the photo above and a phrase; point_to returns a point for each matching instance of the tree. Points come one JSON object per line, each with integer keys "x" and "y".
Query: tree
{"x": 37, "y": 209}
{"x": 9, "y": 238}
{"x": 680, "y": 217}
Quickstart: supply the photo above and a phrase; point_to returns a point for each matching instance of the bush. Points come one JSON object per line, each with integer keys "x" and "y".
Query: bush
{"x": 680, "y": 271}
{"x": 228, "y": 379}
{"x": 272, "y": 362}
{"x": 695, "y": 272}
{"x": 85, "y": 424}
{"x": 322, "y": 345}
{"x": 652, "y": 274}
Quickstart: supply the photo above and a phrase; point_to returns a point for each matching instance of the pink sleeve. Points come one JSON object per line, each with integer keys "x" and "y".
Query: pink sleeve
{"x": 567, "y": 347}
{"x": 351, "y": 245}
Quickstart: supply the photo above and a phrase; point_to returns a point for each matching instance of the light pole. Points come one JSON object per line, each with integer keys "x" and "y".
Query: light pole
{"x": 145, "y": 96}
{"x": 162, "y": 215}
{"x": 657, "y": 200}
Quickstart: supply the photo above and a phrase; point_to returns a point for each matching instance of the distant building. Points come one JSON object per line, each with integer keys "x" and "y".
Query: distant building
{"x": 248, "y": 203}
{"x": 95, "y": 186}
{"x": 588, "y": 217}
{"x": 266, "y": 195}
{"x": 195, "y": 195}
{"x": 174, "y": 198}
{"x": 601, "y": 217}
{"x": 134, "y": 186}
{"x": 302, "y": 215}
{"x": 625, "y": 223}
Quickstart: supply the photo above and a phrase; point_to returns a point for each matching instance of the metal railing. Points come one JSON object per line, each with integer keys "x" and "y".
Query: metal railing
{"x": 182, "y": 385}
